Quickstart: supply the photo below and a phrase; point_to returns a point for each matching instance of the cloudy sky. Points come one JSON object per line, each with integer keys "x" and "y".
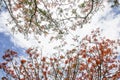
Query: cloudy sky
{"x": 107, "y": 19}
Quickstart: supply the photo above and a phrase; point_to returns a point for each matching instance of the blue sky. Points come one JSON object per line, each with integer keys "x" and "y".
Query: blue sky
{"x": 107, "y": 19}
{"x": 6, "y": 43}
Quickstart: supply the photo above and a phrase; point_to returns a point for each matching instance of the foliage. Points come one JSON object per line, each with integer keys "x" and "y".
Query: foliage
{"x": 95, "y": 59}
{"x": 47, "y": 16}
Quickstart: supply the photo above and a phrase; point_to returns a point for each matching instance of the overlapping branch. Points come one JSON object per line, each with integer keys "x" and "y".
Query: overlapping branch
{"x": 40, "y": 11}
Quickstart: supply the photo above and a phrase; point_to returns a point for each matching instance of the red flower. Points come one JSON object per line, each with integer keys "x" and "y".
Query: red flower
{"x": 29, "y": 50}
{"x": 23, "y": 61}
{"x": 13, "y": 52}
{"x": 43, "y": 59}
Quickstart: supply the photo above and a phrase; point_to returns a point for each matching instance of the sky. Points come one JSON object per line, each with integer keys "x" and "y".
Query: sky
{"x": 107, "y": 19}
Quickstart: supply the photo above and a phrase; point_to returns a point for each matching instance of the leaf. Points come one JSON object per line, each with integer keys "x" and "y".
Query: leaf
{"x": 74, "y": 11}
{"x": 43, "y": 12}
{"x": 82, "y": 5}
{"x": 30, "y": 3}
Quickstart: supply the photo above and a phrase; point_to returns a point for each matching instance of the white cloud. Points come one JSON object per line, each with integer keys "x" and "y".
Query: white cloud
{"x": 3, "y": 18}
{"x": 107, "y": 20}
{"x": 103, "y": 19}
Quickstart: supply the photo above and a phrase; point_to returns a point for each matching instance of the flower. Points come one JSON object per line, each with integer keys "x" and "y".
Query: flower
{"x": 29, "y": 50}
{"x": 43, "y": 59}
{"x": 23, "y": 61}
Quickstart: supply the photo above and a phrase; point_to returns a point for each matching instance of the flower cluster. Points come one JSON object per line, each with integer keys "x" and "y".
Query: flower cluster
{"x": 96, "y": 59}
